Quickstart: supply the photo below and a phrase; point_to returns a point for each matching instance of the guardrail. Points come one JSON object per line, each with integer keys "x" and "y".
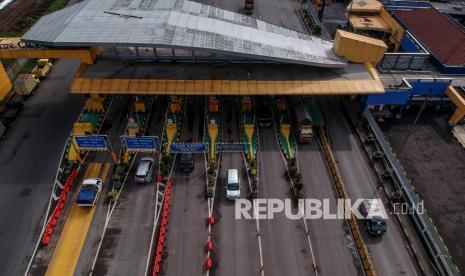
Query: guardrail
{"x": 423, "y": 222}
{"x": 342, "y": 193}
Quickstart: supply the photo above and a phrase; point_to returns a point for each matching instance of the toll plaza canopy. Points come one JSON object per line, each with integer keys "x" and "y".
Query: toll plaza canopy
{"x": 110, "y": 77}
{"x": 178, "y": 24}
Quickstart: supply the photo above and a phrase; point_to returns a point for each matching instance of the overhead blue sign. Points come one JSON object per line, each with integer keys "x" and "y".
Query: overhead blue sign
{"x": 185, "y": 148}
{"x": 91, "y": 142}
{"x": 143, "y": 143}
{"x": 236, "y": 147}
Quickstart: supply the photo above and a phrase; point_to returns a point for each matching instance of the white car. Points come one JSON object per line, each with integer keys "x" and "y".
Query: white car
{"x": 233, "y": 188}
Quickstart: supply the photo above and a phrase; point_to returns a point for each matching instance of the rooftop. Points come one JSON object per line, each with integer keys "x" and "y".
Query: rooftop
{"x": 178, "y": 24}
{"x": 440, "y": 35}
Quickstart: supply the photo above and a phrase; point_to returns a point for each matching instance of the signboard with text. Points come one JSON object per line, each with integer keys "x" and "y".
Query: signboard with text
{"x": 141, "y": 143}
{"x": 91, "y": 142}
{"x": 187, "y": 147}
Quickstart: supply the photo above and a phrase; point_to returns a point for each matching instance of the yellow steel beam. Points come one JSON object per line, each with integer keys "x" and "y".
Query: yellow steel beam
{"x": 86, "y": 56}
{"x": 224, "y": 87}
{"x": 455, "y": 97}
{"x": 459, "y": 101}
{"x": 5, "y": 83}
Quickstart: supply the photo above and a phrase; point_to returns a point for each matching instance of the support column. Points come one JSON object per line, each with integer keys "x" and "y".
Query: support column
{"x": 5, "y": 83}
{"x": 457, "y": 116}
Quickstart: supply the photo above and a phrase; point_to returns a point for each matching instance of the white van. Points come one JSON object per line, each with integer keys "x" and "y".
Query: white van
{"x": 233, "y": 188}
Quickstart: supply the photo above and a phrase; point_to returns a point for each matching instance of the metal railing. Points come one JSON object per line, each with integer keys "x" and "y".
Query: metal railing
{"x": 422, "y": 221}
{"x": 414, "y": 61}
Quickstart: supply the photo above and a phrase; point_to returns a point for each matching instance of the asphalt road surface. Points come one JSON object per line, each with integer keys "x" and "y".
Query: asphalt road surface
{"x": 187, "y": 229}
{"x": 335, "y": 250}
{"x": 127, "y": 239}
{"x": 29, "y": 156}
{"x": 236, "y": 239}
{"x": 285, "y": 247}
{"x": 114, "y": 126}
{"x": 278, "y": 12}
{"x": 389, "y": 252}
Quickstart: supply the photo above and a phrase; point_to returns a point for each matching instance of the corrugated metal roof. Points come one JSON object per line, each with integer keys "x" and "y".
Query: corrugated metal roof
{"x": 179, "y": 24}
{"x": 437, "y": 32}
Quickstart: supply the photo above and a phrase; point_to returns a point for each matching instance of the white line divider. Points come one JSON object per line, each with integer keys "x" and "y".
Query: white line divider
{"x": 53, "y": 197}
{"x": 307, "y": 232}
{"x": 157, "y": 212}
{"x": 259, "y": 236}
{"x": 210, "y": 201}
{"x": 111, "y": 207}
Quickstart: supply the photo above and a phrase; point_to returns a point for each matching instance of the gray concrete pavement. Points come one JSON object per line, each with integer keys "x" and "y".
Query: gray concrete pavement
{"x": 279, "y": 12}
{"x": 187, "y": 229}
{"x": 335, "y": 250}
{"x": 127, "y": 239}
{"x": 285, "y": 247}
{"x": 29, "y": 156}
{"x": 389, "y": 253}
{"x": 237, "y": 251}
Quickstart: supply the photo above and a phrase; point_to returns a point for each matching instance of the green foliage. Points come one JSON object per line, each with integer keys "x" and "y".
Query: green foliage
{"x": 112, "y": 194}
{"x": 253, "y": 173}
{"x": 120, "y": 169}
{"x": 117, "y": 178}
{"x": 292, "y": 171}
{"x": 299, "y": 194}
{"x": 297, "y": 177}
{"x": 298, "y": 186}
{"x": 210, "y": 192}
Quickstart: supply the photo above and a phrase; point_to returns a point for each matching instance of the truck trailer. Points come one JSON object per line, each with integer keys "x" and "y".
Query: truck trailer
{"x": 302, "y": 121}
{"x": 248, "y": 8}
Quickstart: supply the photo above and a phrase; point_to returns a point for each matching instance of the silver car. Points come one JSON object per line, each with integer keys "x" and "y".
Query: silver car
{"x": 145, "y": 169}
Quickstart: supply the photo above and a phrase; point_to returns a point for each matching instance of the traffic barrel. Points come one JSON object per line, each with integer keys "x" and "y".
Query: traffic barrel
{"x": 162, "y": 230}
{"x": 56, "y": 213}
{"x": 45, "y": 239}
{"x": 63, "y": 196}
{"x": 53, "y": 222}
{"x": 159, "y": 249}
{"x": 61, "y": 205}
{"x": 49, "y": 230}
{"x": 74, "y": 173}
{"x": 164, "y": 221}
{"x": 156, "y": 269}
{"x": 209, "y": 245}
{"x": 158, "y": 259}
{"x": 161, "y": 239}
{"x": 211, "y": 220}
{"x": 165, "y": 213}
{"x": 159, "y": 178}
{"x": 208, "y": 263}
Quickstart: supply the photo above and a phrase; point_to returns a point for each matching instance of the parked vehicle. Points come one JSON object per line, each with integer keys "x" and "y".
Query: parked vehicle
{"x": 145, "y": 169}
{"x": 42, "y": 68}
{"x": 187, "y": 162}
{"x": 375, "y": 217}
{"x": 25, "y": 84}
{"x": 89, "y": 192}
{"x": 303, "y": 124}
{"x": 233, "y": 187}
{"x": 249, "y": 6}
{"x": 264, "y": 117}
